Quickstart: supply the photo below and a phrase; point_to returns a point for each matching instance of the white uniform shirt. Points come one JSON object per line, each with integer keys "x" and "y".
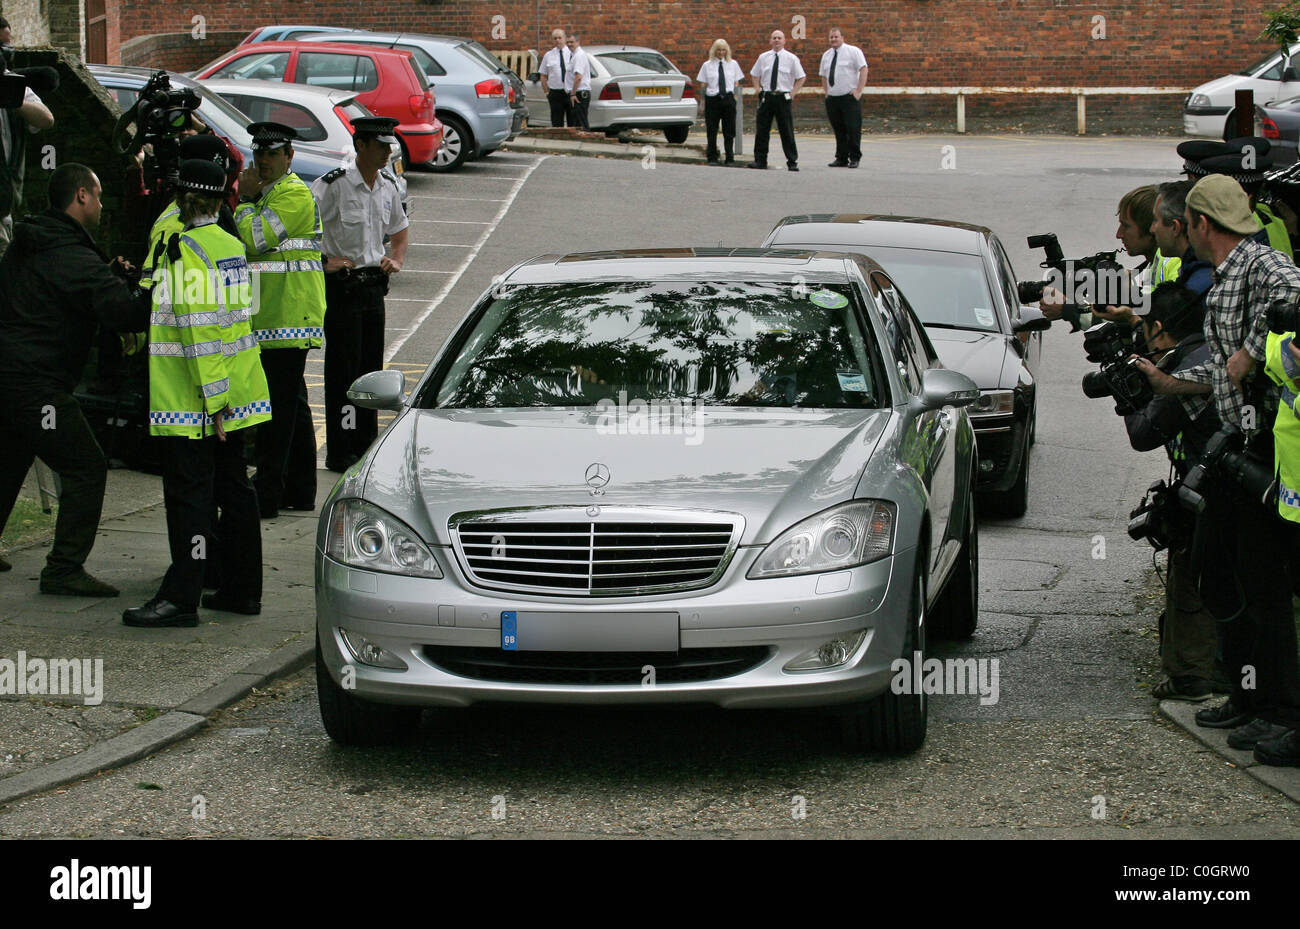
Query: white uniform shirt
{"x": 582, "y": 65}
{"x": 6, "y": 142}
{"x": 550, "y": 67}
{"x": 356, "y": 217}
{"x": 791, "y": 70}
{"x": 732, "y": 73}
{"x": 847, "y": 66}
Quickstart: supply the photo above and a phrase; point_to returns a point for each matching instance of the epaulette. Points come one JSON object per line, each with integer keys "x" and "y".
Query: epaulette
{"x": 384, "y": 172}
{"x": 334, "y": 175}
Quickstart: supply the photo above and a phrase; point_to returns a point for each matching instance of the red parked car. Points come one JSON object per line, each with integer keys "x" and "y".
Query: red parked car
{"x": 386, "y": 81}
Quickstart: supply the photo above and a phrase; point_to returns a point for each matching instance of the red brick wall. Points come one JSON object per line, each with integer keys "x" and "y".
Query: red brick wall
{"x": 979, "y": 42}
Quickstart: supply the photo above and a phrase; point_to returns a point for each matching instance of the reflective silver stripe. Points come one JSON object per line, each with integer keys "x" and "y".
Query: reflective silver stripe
{"x": 215, "y": 283}
{"x": 291, "y": 244}
{"x": 162, "y": 317}
{"x": 1289, "y": 399}
{"x": 243, "y": 343}
{"x": 198, "y": 250}
{"x": 259, "y": 234}
{"x": 1289, "y": 365}
{"x": 181, "y": 350}
{"x": 276, "y": 226}
{"x": 275, "y": 265}
{"x": 216, "y": 387}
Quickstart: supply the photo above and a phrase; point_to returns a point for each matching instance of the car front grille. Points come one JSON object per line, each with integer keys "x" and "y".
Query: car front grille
{"x": 621, "y": 551}
{"x": 690, "y": 665}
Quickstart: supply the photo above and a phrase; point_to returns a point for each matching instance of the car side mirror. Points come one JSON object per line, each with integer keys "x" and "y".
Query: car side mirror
{"x": 1288, "y": 73}
{"x": 535, "y": 76}
{"x": 1031, "y": 320}
{"x": 942, "y": 387}
{"x": 379, "y": 390}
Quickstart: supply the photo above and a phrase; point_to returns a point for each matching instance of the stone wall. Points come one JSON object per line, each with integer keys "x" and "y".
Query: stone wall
{"x": 28, "y": 25}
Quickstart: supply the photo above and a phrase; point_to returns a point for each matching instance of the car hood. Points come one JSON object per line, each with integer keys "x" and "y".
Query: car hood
{"x": 773, "y": 467}
{"x": 978, "y": 355}
{"x": 1221, "y": 89}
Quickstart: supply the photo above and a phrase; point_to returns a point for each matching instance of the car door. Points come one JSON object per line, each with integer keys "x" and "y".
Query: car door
{"x": 931, "y": 445}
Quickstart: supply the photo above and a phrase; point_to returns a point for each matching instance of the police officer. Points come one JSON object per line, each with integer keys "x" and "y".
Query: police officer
{"x": 1246, "y": 160}
{"x": 359, "y": 206}
{"x": 205, "y": 382}
{"x": 844, "y": 68}
{"x": 281, "y": 231}
{"x": 556, "y": 69}
{"x": 777, "y": 77}
{"x": 719, "y": 79}
{"x": 580, "y": 82}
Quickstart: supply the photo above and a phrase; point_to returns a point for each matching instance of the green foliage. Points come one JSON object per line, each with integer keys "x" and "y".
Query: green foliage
{"x": 1283, "y": 25}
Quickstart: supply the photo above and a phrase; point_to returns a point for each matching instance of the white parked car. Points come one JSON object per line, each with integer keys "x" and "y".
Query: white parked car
{"x": 1273, "y": 77}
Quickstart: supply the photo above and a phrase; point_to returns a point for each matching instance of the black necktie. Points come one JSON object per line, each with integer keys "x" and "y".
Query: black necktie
{"x": 830, "y": 81}
{"x": 776, "y": 68}
{"x": 563, "y": 79}
{"x": 722, "y": 80}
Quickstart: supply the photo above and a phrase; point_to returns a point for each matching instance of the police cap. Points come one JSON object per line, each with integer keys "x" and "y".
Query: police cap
{"x": 206, "y": 147}
{"x": 201, "y": 176}
{"x": 271, "y": 135}
{"x": 375, "y": 127}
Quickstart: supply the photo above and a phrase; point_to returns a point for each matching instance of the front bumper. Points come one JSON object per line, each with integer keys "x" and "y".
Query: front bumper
{"x": 414, "y": 618}
{"x": 1205, "y": 121}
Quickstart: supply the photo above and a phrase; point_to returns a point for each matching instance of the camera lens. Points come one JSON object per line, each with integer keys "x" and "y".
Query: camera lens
{"x": 1096, "y": 385}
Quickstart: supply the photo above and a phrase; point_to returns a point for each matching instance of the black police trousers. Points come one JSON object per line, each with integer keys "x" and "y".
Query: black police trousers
{"x": 201, "y": 476}
{"x": 51, "y": 426}
{"x": 774, "y": 105}
{"x": 286, "y": 446}
{"x": 559, "y": 101}
{"x": 354, "y": 345}
{"x": 720, "y": 109}
{"x": 845, "y": 114}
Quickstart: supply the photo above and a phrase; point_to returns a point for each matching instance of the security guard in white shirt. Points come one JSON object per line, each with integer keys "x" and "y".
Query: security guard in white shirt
{"x": 844, "y": 69}
{"x": 777, "y": 76}
{"x": 557, "y": 78}
{"x": 579, "y": 83}
{"x": 719, "y": 79}
{"x": 359, "y": 205}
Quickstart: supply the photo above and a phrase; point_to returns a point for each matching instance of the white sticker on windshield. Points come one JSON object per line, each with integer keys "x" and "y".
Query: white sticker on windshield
{"x": 828, "y": 299}
{"x": 984, "y": 316}
{"x": 851, "y": 380}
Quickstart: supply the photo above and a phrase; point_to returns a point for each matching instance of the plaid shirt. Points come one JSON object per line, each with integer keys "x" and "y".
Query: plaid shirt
{"x": 1250, "y": 278}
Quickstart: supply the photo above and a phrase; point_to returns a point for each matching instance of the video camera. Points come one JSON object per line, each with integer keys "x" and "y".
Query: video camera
{"x": 1166, "y": 517}
{"x": 12, "y": 90}
{"x": 1225, "y": 458}
{"x": 1112, "y": 347}
{"x": 1082, "y": 280}
{"x": 160, "y": 114}
{"x": 1282, "y": 316}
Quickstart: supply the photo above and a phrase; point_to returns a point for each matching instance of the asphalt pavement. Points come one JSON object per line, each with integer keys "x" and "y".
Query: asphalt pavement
{"x": 1068, "y": 601}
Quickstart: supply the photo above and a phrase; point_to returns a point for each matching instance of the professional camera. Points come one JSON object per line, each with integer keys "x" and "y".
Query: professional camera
{"x": 1282, "y": 317}
{"x": 1166, "y": 516}
{"x": 161, "y": 114}
{"x": 1111, "y": 346}
{"x": 1083, "y": 280}
{"x": 12, "y": 90}
{"x": 1224, "y": 458}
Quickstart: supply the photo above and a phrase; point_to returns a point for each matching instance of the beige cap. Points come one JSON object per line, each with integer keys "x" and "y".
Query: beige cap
{"x": 1222, "y": 199}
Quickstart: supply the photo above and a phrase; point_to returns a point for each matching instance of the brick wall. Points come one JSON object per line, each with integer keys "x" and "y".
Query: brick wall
{"x": 67, "y": 25}
{"x": 980, "y": 42}
{"x": 177, "y": 51}
{"x": 28, "y": 25}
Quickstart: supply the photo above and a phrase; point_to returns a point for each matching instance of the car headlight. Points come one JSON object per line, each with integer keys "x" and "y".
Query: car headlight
{"x": 844, "y": 536}
{"x": 993, "y": 403}
{"x": 364, "y": 536}
{"x": 1199, "y": 100}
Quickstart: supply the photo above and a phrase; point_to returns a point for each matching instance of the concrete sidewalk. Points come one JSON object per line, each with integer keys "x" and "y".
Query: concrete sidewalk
{"x": 158, "y": 685}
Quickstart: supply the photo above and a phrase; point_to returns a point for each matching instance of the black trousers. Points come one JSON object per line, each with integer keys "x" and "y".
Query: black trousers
{"x": 200, "y": 475}
{"x": 286, "y": 446}
{"x": 720, "y": 109}
{"x": 559, "y": 101}
{"x": 1247, "y": 578}
{"x": 773, "y": 105}
{"x": 845, "y": 115}
{"x": 578, "y": 111}
{"x": 51, "y": 426}
{"x": 354, "y": 345}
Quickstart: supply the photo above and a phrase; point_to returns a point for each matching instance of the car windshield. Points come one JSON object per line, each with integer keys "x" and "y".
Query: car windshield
{"x": 619, "y": 63}
{"x": 944, "y": 288}
{"x": 481, "y": 55}
{"x": 1249, "y": 71}
{"x": 724, "y": 344}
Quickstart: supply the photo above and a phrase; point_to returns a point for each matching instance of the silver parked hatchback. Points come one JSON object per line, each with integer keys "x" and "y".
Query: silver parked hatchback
{"x": 729, "y": 476}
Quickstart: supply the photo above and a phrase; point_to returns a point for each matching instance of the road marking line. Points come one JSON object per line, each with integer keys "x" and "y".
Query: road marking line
{"x": 458, "y": 222}
{"x": 419, "y": 271}
{"x": 471, "y": 199}
{"x": 435, "y": 245}
{"x": 469, "y": 258}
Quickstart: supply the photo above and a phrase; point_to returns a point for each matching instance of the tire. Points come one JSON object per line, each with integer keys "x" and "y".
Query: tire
{"x": 894, "y": 722}
{"x": 406, "y": 156}
{"x": 677, "y": 134}
{"x": 956, "y": 614}
{"x": 457, "y": 143}
{"x": 1014, "y": 502}
{"x": 351, "y": 721}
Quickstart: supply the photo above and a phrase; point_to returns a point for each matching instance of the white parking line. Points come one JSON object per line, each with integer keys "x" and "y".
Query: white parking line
{"x": 435, "y": 245}
{"x": 471, "y": 199}
{"x": 394, "y": 348}
{"x": 419, "y": 271}
{"x": 458, "y": 222}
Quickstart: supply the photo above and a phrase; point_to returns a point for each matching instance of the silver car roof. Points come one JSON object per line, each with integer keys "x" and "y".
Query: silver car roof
{"x": 700, "y": 263}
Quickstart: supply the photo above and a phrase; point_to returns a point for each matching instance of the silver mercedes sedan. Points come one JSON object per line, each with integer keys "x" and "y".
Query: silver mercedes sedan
{"x": 737, "y": 477}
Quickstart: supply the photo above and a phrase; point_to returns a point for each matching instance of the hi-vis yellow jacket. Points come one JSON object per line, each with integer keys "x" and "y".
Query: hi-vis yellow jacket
{"x": 1285, "y": 371}
{"x": 281, "y": 232}
{"x": 203, "y": 357}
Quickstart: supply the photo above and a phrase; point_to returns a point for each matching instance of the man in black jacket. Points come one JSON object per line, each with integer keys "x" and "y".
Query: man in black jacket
{"x": 55, "y": 286}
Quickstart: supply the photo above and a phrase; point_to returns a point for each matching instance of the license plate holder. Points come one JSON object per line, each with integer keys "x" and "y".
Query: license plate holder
{"x": 560, "y": 631}
{"x": 654, "y": 91}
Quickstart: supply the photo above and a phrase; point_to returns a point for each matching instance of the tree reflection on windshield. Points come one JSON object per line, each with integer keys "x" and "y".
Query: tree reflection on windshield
{"x": 728, "y": 344}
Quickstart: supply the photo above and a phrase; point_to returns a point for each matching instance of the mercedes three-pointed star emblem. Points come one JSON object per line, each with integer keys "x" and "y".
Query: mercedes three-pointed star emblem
{"x": 597, "y": 478}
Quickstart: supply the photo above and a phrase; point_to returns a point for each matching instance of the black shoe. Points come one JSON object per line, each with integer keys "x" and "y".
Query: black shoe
{"x": 1282, "y": 751}
{"x": 5, "y": 566}
{"x": 792, "y": 167}
{"x": 838, "y": 164}
{"x": 1190, "y": 689}
{"x": 853, "y": 164}
{"x": 713, "y": 161}
{"x": 227, "y": 604}
{"x": 1258, "y": 730}
{"x": 730, "y": 162}
{"x": 268, "y": 512}
{"x": 761, "y": 166}
{"x": 300, "y": 507}
{"x": 77, "y": 584}
{"x": 339, "y": 465}
{"x": 159, "y": 613}
{"x": 1223, "y": 716}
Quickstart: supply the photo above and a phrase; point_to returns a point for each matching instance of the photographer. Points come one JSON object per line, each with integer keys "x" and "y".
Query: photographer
{"x": 1246, "y": 160}
{"x": 29, "y": 117}
{"x": 1169, "y": 227}
{"x": 1247, "y": 575}
{"x": 1182, "y": 425}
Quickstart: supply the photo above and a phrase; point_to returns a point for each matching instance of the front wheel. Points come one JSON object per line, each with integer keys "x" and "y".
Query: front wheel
{"x": 895, "y": 722}
{"x": 677, "y": 134}
{"x": 456, "y": 145}
{"x": 957, "y": 612}
{"x": 1014, "y": 502}
{"x": 351, "y": 721}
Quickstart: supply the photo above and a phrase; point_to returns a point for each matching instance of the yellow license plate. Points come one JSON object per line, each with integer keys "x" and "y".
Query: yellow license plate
{"x": 654, "y": 91}
{"x": 397, "y": 166}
